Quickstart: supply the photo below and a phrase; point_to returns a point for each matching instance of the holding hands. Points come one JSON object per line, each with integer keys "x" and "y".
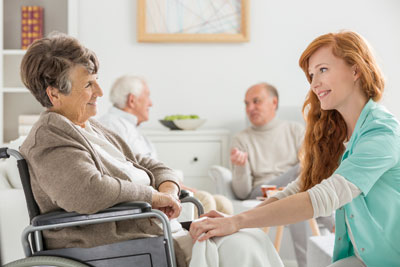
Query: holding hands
{"x": 238, "y": 157}
{"x": 212, "y": 224}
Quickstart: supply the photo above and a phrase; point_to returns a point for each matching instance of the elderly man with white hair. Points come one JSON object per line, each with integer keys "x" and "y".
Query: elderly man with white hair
{"x": 131, "y": 101}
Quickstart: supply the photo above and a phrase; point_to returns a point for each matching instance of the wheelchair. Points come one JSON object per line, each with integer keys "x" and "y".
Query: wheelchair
{"x": 151, "y": 251}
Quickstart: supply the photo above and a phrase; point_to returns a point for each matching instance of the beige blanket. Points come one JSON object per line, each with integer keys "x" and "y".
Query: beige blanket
{"x": 248, "y": 247}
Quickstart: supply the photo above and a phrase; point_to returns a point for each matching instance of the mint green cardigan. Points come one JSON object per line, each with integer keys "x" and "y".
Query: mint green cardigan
{"x": 372, "y": 162}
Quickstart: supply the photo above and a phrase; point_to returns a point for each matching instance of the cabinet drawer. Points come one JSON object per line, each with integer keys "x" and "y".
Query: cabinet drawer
{"x": 193, "y": 158}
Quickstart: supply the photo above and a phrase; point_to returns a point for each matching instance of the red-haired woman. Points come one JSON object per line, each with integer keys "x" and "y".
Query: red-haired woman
{"x": 350, "y": 159}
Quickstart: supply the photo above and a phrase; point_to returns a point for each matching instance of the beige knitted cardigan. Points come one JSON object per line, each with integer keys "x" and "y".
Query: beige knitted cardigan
{"x": 67, "y": 173}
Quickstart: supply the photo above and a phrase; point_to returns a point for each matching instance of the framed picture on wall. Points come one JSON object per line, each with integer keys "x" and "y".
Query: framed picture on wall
{"x": 193, "y": 20}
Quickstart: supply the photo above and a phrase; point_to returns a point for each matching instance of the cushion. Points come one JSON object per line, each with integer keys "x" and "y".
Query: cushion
{"x": 223, "y": 180}
{"x": 4, "y": 184}
{"x": 13, "y": 219}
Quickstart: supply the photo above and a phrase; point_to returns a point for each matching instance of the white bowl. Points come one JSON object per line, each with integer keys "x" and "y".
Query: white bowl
{"x": 189, "y": 124}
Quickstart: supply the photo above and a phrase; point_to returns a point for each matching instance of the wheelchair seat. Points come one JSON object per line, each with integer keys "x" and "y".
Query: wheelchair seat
{"x": 151, "y": 251}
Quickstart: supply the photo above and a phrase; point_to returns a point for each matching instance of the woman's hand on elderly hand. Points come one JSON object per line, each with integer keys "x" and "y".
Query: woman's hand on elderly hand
{"x": 206, "y": 228}
{"x": 167, "y": 203}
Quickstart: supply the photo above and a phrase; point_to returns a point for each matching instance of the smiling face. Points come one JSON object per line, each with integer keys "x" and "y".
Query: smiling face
{"x": 260, "y": 106}
{"x": 333, "y": 80}
{"x": 80, "y": 104}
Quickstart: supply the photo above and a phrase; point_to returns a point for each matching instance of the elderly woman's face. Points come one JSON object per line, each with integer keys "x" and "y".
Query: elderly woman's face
{"x": 80, "y": 104}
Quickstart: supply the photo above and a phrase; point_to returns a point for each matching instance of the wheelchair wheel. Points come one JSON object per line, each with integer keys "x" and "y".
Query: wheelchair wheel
{"x": 45, "y": 261}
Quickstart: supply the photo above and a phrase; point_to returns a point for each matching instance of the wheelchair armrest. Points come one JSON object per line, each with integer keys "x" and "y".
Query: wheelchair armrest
{"x": 62, "y": 219}
{"x": 57, "y": 217}
{"x": 184, "y": 193}
{"x": 186, "y": 197}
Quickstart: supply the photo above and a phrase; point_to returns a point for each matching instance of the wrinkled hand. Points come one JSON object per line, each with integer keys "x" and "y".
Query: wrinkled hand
{"x": 206, "y": 228}
{"x": 238, "y": 157}
{"x": 167, "y": 203}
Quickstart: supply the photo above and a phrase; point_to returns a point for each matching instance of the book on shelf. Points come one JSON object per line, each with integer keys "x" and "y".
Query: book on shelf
{"x": 31, "y": 25}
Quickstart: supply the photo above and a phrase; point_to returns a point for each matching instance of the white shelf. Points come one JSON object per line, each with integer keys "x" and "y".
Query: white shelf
{"x": 61, "y": 16}
{"x": 14, "y": 52}
{"x": 15, "y": 90}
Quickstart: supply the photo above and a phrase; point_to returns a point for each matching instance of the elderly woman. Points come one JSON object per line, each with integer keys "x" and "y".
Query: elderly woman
{"x": 78, "y": 165}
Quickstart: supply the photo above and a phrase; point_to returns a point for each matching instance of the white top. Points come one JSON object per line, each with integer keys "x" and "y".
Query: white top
{"x": 113, "y": 155}
{"x": 326, "y": 197}
{"x": 272, "y": 150}
{"x": 125, "y": 125}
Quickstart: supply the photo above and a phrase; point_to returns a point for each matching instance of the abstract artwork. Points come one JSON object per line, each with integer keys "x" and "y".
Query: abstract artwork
{"x": 193, "y": 20}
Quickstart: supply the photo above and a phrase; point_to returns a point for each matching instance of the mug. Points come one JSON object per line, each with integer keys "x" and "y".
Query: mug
{"x": 267, "y": 187}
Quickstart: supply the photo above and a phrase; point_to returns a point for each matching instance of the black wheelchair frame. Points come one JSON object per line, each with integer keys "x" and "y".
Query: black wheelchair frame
{"x": 153, "y": 251}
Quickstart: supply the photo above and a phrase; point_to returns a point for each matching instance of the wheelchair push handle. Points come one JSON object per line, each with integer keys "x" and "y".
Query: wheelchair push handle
{"x": 3, "y": 153}
{"x": 6, "y": 152}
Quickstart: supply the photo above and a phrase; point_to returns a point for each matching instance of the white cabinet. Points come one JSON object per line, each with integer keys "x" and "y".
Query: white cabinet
{"x": 59, "y": 15}
{"x": 193, "y": 152}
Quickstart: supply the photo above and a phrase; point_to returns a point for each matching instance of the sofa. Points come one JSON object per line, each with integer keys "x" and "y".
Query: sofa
{"x": 13, "y": 212}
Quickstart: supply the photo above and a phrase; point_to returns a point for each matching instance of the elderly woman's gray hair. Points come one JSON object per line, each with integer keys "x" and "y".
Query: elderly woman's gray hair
{"x": 48, "y": 62}
{"x": 123, "y": 86}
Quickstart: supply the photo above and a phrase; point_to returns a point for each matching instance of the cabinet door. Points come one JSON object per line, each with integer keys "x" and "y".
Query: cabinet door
{"x": 193, "y": 158}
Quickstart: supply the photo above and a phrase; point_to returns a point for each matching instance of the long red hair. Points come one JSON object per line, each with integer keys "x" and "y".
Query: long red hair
{"x": 326, "y": 129}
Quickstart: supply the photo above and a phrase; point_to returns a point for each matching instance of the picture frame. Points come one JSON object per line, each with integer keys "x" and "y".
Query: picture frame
{"x": 193, "y": 21}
